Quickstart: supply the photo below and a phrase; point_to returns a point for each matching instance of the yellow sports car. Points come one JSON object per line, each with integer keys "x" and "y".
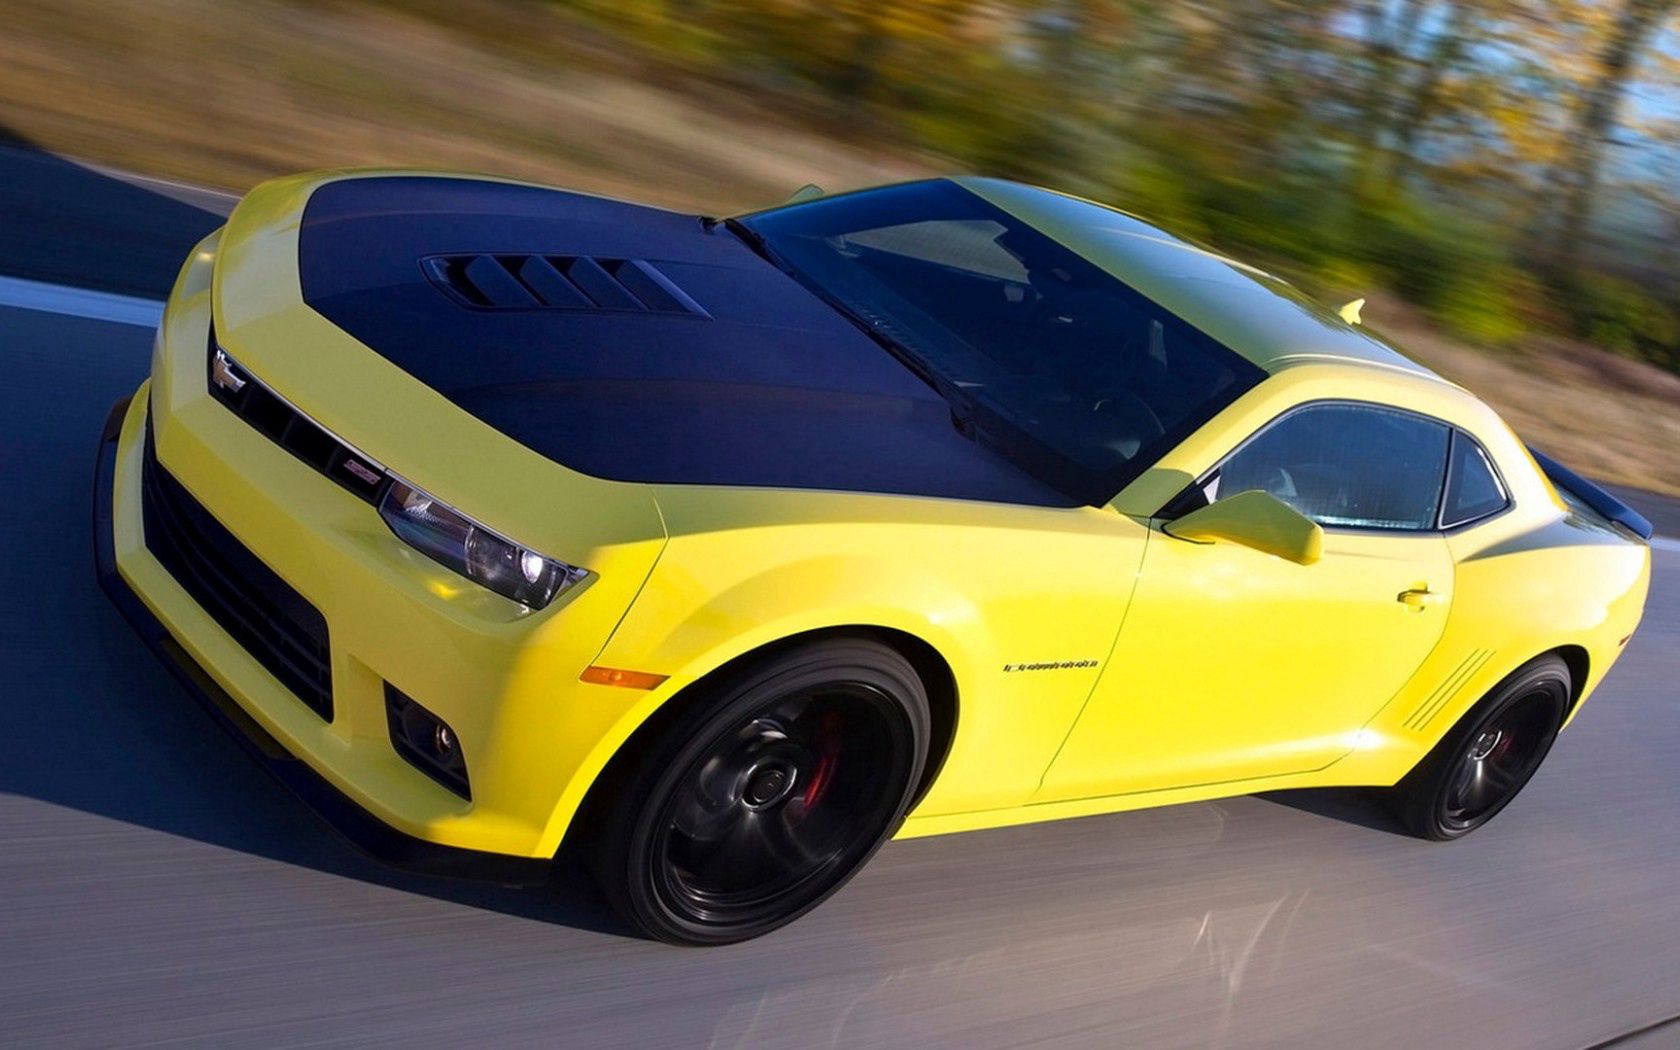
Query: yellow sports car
{"x": 500, "y": 519}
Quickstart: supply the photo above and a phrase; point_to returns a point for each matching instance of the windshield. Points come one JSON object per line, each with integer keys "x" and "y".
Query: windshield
{"x": 1047, "y": 358}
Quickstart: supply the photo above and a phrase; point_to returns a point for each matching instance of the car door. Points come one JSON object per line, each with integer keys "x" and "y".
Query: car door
{"x": 1233, "y": 664}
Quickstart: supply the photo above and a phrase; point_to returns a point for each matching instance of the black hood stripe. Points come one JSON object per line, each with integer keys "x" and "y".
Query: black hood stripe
{"x": 694, "y": 361}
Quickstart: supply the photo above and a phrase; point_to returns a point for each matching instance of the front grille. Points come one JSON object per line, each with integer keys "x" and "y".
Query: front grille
{"x": 275, "y": 624}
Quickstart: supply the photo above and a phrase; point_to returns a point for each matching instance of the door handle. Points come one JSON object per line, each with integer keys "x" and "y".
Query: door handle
{"x": 1418, "y": 599}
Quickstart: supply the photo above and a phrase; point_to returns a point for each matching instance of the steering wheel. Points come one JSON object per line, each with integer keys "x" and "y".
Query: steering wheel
{"x": 1132, "y": 422}
{"x": 1126, "y": 404}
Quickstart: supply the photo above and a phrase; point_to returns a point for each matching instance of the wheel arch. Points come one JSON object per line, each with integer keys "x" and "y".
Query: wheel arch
{"x": 930, "y": 665}
{"x": 1579, "y": 662}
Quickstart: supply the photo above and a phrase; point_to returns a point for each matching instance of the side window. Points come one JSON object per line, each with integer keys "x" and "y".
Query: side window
{"x": 1355, "y": 466}
{"x": 1473, "y": 488}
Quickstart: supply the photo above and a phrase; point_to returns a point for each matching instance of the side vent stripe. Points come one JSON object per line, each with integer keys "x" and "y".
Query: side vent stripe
{"x": 1444, "y": 688}
{"x": 1449, "y": 688}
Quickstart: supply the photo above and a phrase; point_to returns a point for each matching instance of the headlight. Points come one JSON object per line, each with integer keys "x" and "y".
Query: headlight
{"x": 454, "y": 540}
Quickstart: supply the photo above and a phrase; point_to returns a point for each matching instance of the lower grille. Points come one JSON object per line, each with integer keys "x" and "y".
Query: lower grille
{"x": 275, "y": 624}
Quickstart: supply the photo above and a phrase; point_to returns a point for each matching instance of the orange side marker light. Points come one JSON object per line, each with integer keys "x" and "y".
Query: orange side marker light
{"x": 625, "y": 679}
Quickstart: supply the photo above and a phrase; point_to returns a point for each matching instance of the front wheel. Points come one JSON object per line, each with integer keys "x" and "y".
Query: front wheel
{"x": 766, "y": 796}
{"x": 1484, "y": 760}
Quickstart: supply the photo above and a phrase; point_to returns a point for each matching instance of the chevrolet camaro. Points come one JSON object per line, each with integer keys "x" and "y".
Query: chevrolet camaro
{"x": 498, "y": 519}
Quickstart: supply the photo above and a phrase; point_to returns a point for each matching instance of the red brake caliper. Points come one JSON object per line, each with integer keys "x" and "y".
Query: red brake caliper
{"x": 824, "y": 773}
{"x": 1500, "y": 748}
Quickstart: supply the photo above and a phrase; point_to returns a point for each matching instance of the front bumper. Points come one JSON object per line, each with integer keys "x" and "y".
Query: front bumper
{"x": 534, "y": 736}
{"x": 355, "y": 824}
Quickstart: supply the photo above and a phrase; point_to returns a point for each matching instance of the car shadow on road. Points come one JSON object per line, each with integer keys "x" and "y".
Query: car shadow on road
{"x": 95, "y": 724}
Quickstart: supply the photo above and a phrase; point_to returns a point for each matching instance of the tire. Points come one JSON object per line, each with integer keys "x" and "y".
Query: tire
{"x": 765, "y": 795}
{"x": 1488, "y": 756}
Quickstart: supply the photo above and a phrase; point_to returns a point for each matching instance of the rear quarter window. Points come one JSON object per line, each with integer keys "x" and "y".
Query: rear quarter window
{"x": 1474, "y": 490}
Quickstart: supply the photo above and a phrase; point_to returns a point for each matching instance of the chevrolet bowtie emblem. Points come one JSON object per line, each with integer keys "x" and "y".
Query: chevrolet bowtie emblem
{"x": 222, "y": 373}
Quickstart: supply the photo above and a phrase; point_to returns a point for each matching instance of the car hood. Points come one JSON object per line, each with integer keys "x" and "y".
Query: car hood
{"x": 630, "y": 343}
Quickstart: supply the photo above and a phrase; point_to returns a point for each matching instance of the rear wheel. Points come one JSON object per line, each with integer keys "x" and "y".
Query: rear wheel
{"x": 764, "y": 798}
{"x": 1487, "y": 758}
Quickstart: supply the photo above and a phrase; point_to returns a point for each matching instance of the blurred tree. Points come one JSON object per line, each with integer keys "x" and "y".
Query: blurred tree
{"x": 1629, "y": 31}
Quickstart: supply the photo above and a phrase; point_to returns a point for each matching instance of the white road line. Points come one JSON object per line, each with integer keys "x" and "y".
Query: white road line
{"x": 79, "y": 302}
{"x": 227, "y": 196}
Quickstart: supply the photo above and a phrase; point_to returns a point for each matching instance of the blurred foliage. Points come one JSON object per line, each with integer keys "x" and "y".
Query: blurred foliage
{"x": 1478, "y": 157}
{"x": 1621, "y": 316}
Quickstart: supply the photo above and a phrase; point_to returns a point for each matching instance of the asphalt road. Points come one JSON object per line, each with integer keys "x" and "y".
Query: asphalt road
{"x": 156, "y": 886}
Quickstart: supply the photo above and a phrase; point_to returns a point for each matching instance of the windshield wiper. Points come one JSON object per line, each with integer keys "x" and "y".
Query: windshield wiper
{"x": 879, "y": 329}
{"x": 754, "y": 241}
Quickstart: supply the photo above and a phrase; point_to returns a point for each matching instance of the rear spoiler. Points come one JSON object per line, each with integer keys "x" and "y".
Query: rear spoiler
{"x": 1593, "y": 495}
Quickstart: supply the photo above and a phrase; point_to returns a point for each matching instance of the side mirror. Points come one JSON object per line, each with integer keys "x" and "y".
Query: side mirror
{"x": 1254, "y": 519}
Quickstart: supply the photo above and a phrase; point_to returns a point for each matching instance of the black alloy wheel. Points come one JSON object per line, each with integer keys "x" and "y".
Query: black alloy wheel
{"x": 768, "y": 795}
{"x": 1487, "y": 758}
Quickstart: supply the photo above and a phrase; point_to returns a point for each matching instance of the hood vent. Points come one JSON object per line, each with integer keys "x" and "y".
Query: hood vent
{"x": 563, "y": 282}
